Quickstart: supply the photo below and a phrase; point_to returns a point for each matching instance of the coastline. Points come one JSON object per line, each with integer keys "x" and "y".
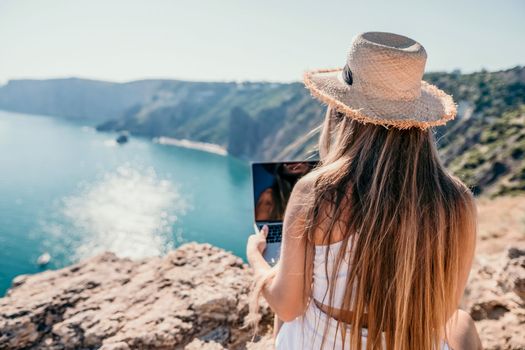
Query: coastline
{"x": 201, "y": 146}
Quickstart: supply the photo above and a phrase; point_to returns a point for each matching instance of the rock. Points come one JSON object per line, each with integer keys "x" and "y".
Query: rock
{"x": 495, "y": 299}
{"x": 494, "y": 293}
{"x": 194, "y": 297}
{"x": 512, "y": 278}
{"x": 198, "y": 344}
{"x": 242, "y": 128}
{"x": 115, "y": 346}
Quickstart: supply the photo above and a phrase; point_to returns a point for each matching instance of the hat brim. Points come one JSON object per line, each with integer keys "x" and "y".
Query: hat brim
{"x": 433, "y": 107}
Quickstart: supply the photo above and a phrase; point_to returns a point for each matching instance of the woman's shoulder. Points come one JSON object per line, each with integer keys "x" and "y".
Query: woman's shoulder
{"x": 304, "y": 192}
{"x": 301, "y": 196}
{"x": 306, "y": 183}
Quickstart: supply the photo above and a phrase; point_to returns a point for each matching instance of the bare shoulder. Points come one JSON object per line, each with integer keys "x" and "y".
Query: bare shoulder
{"x": 305, "y": 185}
{"x": 300, "y": 196}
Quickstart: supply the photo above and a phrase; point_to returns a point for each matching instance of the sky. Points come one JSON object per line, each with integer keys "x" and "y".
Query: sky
{"x": 236, "y": 40}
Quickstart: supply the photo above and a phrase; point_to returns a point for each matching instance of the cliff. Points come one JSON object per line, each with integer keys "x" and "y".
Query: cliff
{"x": 195, "y": 297}
{"x": 484, "y": 145}
{"x": 85, "y": 100}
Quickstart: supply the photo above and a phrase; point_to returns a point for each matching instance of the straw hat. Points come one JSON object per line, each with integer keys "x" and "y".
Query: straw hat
{"x": 381, "y": 84}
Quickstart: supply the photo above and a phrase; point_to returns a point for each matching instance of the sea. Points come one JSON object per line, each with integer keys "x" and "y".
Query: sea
{"x": 71, "y": 192}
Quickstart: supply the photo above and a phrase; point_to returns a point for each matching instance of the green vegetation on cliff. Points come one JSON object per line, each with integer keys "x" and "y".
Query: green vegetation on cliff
{"x": 253, "y": 120}
{"x": 484, "y": 145}
{"x": 494, "y": 151}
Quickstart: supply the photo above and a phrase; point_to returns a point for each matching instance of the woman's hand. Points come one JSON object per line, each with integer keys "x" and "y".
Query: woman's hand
{"x": 256, "y": 244}
{"x": 254, "y": 252}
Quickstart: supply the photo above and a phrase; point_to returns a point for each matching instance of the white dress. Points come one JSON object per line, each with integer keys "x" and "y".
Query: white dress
{"x": 306, "y": 331}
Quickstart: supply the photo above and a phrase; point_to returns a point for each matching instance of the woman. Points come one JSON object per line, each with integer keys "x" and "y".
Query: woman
{"x": 378, "y": 240}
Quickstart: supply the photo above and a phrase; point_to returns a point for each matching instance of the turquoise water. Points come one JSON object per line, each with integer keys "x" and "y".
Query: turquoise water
{"x": 70, "y": 191}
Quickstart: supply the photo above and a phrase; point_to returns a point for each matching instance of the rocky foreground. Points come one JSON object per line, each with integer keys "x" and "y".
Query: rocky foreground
{"x": 495, "y": 294}
{"x": 196, "y": 297}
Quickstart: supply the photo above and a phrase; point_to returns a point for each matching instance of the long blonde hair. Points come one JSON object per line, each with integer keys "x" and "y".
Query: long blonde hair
{"x": 405, "y": 217}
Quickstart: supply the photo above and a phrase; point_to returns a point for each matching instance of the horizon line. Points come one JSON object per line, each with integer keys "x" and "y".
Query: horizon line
{"x": 238, "y": 81}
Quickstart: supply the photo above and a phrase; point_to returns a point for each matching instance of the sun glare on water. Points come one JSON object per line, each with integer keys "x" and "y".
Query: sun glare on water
{"x": 130, "y": 212}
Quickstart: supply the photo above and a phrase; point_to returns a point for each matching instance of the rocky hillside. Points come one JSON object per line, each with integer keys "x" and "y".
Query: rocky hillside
{"x": 251, "y": 120}
{"x": 484, "y": 145}
{"x": 196, "y": 297}
{"x": 88, "y": 101}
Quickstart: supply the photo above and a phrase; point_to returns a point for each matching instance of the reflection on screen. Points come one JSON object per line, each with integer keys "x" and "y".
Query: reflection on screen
{"x": 273, "y": 184}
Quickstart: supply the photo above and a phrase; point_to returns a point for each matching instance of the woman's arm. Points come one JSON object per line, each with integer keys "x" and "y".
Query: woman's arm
{"x": 288, "y": 291}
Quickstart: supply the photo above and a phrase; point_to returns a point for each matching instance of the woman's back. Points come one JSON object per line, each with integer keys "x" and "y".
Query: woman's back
{"x": 320, "y": 326}
{"x": 316, "y": 329}
{"x": 308, "y": 331}
{"x": 325, "y": 274}
{"x": 380, "y": 190}
{"x": 385, "y": 237}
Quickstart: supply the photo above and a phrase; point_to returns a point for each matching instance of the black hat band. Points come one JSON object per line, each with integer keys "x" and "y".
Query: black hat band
{"x": 347, "y": 75}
